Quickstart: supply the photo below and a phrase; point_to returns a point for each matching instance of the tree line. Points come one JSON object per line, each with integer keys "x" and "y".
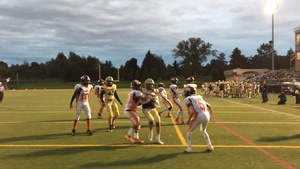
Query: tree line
{"x": 189, "y": 58}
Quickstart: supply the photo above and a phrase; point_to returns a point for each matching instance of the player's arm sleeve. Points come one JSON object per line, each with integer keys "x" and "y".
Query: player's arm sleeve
{"x": 210, "y": 110}
{"x": 96, "y": 91}
{"x": 101, "y": 96}
{"x": 117, "y": 97}
{"x": 76, "y": 92}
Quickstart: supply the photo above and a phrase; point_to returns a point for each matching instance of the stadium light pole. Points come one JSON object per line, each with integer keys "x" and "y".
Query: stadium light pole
{"x": 272, "y": 41}
{"x": 270, "y": 8}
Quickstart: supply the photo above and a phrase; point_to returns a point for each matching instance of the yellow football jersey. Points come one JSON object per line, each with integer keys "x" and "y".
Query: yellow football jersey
{"x": 109, "y": 91}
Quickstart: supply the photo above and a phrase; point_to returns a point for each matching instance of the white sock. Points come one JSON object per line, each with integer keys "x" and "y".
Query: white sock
{"x": 136, "y": 135}
{"x": 130, "y": 131}
{"x": 157, "y": 136}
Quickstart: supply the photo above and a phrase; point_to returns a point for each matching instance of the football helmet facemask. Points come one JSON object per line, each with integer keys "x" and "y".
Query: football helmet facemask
{"x": 101, "y": 82}
{"x": 161, "y": 84}
{"x": 135, "y": 84}
{"x": 149, "y": 84}
{"x": 189, "y": 91}
{"x": 190, "y": 79}
{"x": 109, "y": 80}
{"x": 85, "y": 80}
{"x": 174, "y": 80}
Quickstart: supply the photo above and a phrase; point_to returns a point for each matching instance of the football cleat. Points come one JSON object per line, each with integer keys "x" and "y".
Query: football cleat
{"x": 188, "y": 150}
{"x": 182, "y": 121}
{"x": 168, "y": 115}
{"x": 207, "y": 151}
{"x": 137, "y": 141}
{"x": 88, "y": 132}
{"x": 73, "y": 132}
{"x": 99, "y": 116}
{"x": 176, "y": 120}
{"x": 159, "y": 142}
{"x": 129, "y": 138}
{"x": 150, "y": 137}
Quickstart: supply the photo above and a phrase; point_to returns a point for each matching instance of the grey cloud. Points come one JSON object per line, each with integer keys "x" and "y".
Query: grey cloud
{"x": 115, "y": 29}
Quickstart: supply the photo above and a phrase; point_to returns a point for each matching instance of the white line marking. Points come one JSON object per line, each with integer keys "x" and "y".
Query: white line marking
{"x": 265, "y": 109}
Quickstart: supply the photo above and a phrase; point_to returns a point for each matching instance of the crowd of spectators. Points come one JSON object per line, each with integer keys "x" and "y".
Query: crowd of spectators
{"x": 275, "y": 77}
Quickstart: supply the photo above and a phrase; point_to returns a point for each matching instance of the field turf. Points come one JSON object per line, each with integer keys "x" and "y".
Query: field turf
{"x": 35, "y": 132}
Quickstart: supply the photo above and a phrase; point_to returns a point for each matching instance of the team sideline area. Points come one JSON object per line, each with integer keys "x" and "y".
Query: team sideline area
{"x": 36, "y": 129}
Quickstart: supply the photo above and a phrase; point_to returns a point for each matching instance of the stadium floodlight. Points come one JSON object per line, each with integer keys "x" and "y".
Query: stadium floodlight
{"x": 271, "y": 6}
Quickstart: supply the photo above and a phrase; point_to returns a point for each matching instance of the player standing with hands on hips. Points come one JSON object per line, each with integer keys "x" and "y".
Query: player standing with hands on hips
{"x": 81, "y": 94}
{"x": 200, "y": 113}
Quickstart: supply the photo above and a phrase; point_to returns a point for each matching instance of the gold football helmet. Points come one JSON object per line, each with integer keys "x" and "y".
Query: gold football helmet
{"x": 149, "y": 83}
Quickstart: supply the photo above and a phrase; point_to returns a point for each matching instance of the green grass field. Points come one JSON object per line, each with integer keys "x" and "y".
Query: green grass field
{"x": 35, "y": 132}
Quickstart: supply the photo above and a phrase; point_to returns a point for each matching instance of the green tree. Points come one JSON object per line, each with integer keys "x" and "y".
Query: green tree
{"x": 238, "y": 60}
{"x": 37, "y": 70}
{"x": 92, "y": 64}
{"x": 263, "y": 58}
{"x": 176, "y": 67}
{"x": 217, "y": 67}
{"x": 129, "y": 70}
{"x": 4, "y": 70}
{"x": 170, "y": 72}
{"x": 150, "y": 62}
{"x": 107, "y": 69}
{"x": 193, "y": 54}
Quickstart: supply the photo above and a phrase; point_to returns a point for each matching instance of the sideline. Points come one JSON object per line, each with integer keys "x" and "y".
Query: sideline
{"x": 270, "y": 155}
{"x": 261, "y": 108}
{"x": 143, "y": 145}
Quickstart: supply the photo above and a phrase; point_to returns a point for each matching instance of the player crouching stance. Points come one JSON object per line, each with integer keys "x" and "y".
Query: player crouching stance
{"x": 200, "y": 113}
{"x": 149, "y": 110}
{"x": 81, "y": 94}
{"x": 133, "y": 100}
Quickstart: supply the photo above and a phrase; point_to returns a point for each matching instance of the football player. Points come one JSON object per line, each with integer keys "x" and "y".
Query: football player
{"x": 149, "y": 109}
{"x": 164, "y": 99}
{"x": 109, "y": 90}
{"x": 174, "y": 96}
{"x": 98, "y": 89}
{"x": 81, "y": 94}
{"x": 133, "y": 100}
{"x": 191, "y": 82}
{"x": 2, "y": 88}
{"x": 200, "y": 114}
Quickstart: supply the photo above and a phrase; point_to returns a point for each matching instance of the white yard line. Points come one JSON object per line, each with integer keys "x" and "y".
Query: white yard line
{"x": 261, "y": 108}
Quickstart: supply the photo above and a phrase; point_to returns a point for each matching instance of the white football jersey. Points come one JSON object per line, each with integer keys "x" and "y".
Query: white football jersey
{"x": 98, "y": 88}
{"x": 84, "y": 93}
{"x": 198, "y": 103}
{"x": 174, "y": 91}
{"x": 132, "y": 103}
{"x": 193, "y": 85}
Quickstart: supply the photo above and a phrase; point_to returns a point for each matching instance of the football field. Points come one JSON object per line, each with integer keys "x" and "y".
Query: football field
{"x": 35, "y": 132}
